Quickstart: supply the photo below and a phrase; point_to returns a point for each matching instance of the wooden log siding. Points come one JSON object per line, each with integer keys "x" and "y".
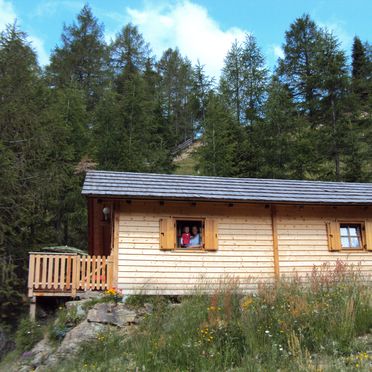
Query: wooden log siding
{"x": 304, "y": 242}
{"x": 66, "y": 274}
{"x": 245, "y": 245}
{"x": 145, "y": 268}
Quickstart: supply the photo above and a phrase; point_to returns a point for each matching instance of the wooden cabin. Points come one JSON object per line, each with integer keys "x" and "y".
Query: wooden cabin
{"x": 251, "y": 229}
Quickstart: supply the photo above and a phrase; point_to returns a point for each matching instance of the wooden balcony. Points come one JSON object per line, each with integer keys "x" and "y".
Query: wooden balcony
{"x": 66, "y": 274}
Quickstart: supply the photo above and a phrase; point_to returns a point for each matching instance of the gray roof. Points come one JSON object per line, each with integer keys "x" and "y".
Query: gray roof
{"x": 170, "y": 186}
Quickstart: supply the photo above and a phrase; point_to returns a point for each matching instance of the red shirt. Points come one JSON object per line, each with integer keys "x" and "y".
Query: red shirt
{"x": 186, "y": 238}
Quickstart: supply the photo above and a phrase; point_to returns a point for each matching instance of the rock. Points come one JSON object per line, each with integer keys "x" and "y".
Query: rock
{"x": 149, "y": 308}
{"x": 90, "y": 295}
{"x": 85, "y": 331}
{"x": 79, "y": 305}
{"x": 110, "y": 313}
{"x": 40, "y": 353}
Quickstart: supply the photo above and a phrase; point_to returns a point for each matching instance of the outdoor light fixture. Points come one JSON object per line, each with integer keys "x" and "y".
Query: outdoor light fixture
{"x": 106, "y": 212}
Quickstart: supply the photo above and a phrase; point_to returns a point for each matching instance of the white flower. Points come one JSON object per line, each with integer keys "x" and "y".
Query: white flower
{"x": 267, "y": 332}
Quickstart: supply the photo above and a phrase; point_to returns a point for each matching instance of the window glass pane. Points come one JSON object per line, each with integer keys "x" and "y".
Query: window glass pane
{"x": 343, "y": 231}
{"x": 355, "y": 243}
{"x": 189, "y": 233}
{"x": 345, "y": 242}
{"x": 353, "y": 231}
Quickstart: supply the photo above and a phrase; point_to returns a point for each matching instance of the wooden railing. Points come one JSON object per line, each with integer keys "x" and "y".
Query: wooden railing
{"x": 61, "y": 274}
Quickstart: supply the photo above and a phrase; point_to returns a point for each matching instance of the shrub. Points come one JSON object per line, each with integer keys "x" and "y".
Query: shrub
{"x": 28, "y": 334}
{"x": 293, "y": 325}
{"x": 66, "y": 320}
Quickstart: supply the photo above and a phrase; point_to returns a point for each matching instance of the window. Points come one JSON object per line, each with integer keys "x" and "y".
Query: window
{"x": 188, "y": 234}
{"x": 351, "y": 236}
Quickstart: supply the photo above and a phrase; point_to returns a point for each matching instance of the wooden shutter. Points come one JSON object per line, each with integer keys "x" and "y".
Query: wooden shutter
{"x": 368, "y": 232}
{"x": 210, "y": 234}
{"x": 334, "y": 238}
{"x": 167, "y": 234}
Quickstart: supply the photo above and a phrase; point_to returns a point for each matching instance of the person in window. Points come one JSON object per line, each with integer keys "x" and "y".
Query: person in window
{"x": 195, "y": 240}
{"x": 185, "y": 237}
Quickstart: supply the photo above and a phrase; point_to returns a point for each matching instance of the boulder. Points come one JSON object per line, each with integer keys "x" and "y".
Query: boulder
{"x": 39, "y": 353}
{"x": 90, "y": 295}
{"x": 111, "y": 313}
{"x": 79, "y": 305}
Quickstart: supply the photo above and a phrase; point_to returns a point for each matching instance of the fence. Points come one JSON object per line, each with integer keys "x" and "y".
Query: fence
{"x": 66, "y": 274}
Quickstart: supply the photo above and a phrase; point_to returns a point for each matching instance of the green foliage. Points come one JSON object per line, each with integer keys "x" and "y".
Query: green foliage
{"x": 66, "y": 319}
{"x": 137, "y": 301}
{"x": 220, "y": 142}
{"x": 118, "y": 106}
{"x": 287, "y": 326}
{"x": 28, "y": 334}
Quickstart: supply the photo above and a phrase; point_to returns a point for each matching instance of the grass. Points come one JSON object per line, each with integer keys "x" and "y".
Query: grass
{"x": 289, "y": 326}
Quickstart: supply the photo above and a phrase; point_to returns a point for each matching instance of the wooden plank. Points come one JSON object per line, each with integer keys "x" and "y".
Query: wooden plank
{"x": 50, "y": 271}
{"x": 31, "y": 274}
{"x": 115, "y": 247}
{"x": 63, "y": 272}
{"x": 74, "y": 279}
{"x": 104, "y": 273}
{"x": 93, "y": 273}
{"x": 274, "y": 225}
{"x": 44, "y": 272}
{"x": 56, "y": 271}
{"x": 68, "y": 273}
{"x": 98, "y": 273}
{"x": 37, "y": 271}
{"x": 82, "y": 272}
{"x": 88, "y": 275}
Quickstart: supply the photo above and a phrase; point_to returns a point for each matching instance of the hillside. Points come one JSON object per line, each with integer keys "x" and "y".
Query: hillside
{"x": 186, "y": 160}
{"x": 322, "y": 327}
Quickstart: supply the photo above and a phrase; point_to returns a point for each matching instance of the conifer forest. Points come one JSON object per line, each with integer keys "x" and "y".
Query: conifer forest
{"x": 115, "y": 106}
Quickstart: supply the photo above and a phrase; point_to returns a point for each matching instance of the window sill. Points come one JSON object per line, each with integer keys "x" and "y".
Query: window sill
{"x": 346, "y": 250}
{"x": 186, "y": 250}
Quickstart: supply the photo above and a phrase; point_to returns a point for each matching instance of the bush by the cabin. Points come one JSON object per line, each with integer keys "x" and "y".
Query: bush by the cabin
{"x": 313, "y": 326}
{"x": 28, "y": 334}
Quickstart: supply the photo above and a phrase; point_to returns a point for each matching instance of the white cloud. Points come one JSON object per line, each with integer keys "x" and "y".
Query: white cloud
{"x": 7, "y": 14}
{"x": 278, "y": 51}
{"x": 337, "y": 29}
{"x": 38, "y": 46}
{"x": 189, "y": 27}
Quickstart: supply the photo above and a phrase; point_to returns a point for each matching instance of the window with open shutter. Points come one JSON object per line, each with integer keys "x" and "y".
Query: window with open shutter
{"x": 167, "y": 233}
{"x": 211, "y": 234}
{"x": 349, "y": 235}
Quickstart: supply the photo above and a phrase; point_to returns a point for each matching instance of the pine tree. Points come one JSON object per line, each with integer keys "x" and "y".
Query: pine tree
{"x": 280, "y": 147}
{"x": 255, "y": 77}
{"x": 176, "y": 89}
{"x": 299, "y": 69}
{"x": 361, "y": 71}
{"x": 202, "y": 86}
{"x": 21, "y": 150}
{"x": 231, "y": 83}
{"x": 129, "y": 129}
{"x": 82, "y": 60}
{"x": 221, "y": 138}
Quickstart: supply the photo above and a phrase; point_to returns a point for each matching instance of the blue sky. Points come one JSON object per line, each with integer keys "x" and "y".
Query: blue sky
{"x": 202, "y": 29}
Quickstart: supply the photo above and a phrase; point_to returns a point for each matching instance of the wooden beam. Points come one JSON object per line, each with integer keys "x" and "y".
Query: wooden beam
{"x": 33, "y": 308}
{"x": 115, "y": 244}
{"x": 275, "y": 241}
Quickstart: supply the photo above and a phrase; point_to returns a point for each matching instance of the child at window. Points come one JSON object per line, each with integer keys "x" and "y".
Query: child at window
{"x": 185, "y": 237}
